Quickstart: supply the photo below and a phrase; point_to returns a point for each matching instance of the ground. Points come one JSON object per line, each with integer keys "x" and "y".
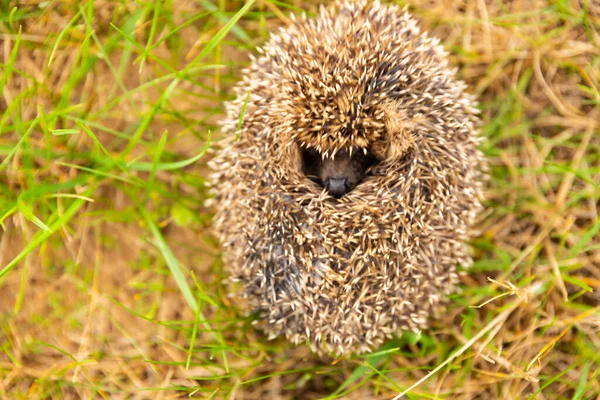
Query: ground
{"x": 111, "y": 284}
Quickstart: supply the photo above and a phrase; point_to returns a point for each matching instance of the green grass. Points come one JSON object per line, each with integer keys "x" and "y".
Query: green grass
{"x": 111, "y": 283}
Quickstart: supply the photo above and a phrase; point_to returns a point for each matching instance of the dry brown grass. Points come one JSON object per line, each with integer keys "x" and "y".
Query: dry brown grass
{"x": 94, "y": 311}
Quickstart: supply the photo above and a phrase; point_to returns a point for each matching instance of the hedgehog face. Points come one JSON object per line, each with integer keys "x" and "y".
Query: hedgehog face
{"x": 339, "y": 173}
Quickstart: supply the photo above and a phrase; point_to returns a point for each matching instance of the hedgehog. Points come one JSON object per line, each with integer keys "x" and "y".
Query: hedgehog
{"x": 348, "y": 179}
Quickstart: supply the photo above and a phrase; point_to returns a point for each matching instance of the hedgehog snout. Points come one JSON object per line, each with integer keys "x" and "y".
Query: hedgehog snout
{"x": 337, "y": 186}
{"x": 338, "y": 174}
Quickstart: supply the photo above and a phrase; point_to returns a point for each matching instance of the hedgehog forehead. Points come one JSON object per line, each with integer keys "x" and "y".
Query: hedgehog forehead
{"x": 333, "y": 106}
{"x": 331, "y": 70}
{"x": 329, "y": 130}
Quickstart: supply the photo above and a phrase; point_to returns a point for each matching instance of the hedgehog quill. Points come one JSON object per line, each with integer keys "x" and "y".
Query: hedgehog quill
{"x": 344, "y": 205}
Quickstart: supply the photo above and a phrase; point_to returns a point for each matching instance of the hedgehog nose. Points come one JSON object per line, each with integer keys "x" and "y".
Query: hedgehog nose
{"x": 337, "y": 186}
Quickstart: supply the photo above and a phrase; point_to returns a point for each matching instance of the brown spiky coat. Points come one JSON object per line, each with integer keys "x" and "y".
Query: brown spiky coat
{"x": 345, "y": 274}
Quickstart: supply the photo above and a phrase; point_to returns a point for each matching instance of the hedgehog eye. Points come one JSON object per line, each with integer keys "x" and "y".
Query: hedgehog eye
{"x": 311, "y": 161}
{"x": 341, "y": 174}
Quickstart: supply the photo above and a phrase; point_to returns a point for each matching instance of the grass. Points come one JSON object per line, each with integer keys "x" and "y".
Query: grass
{"x": 111, "y": 284}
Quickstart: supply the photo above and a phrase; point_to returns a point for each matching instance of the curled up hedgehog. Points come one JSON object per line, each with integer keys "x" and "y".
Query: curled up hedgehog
{"x": 344, "y": 201}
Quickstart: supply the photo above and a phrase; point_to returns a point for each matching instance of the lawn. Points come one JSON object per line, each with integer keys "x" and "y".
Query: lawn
{"x": 111, "y": 284}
